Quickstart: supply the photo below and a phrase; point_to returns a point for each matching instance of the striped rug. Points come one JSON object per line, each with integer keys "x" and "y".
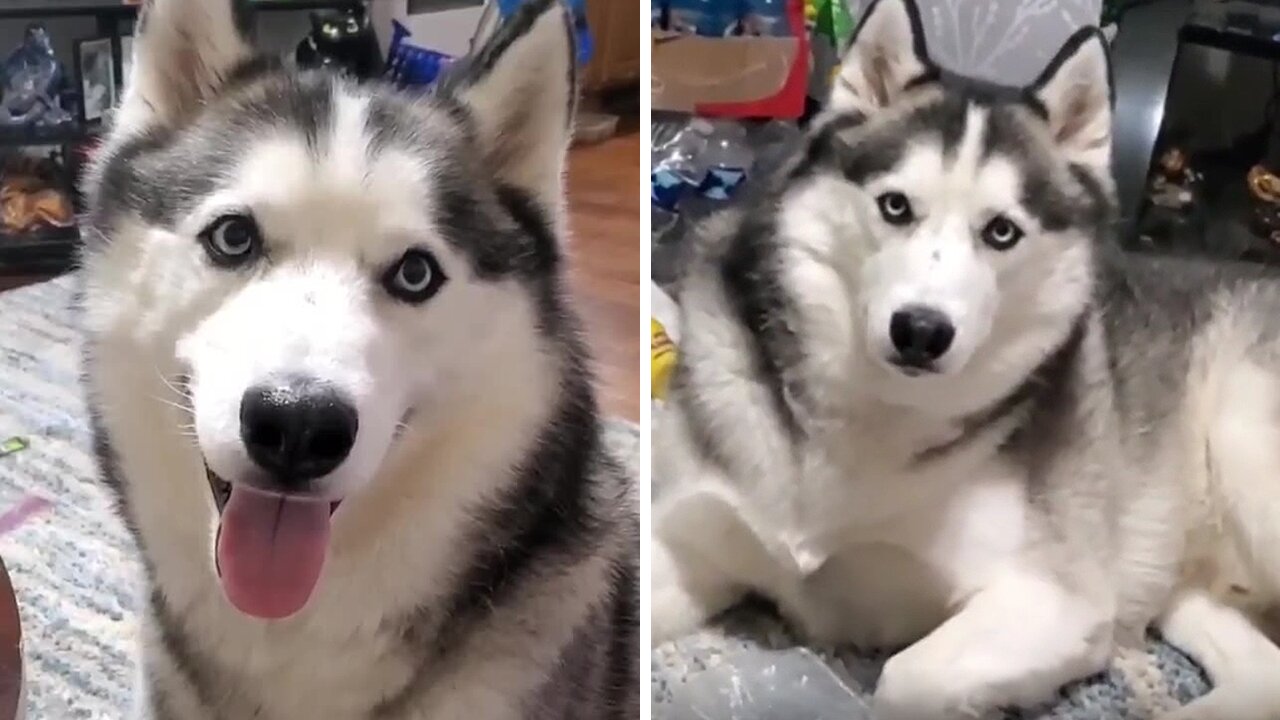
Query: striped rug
{"x": 72, "y": 563}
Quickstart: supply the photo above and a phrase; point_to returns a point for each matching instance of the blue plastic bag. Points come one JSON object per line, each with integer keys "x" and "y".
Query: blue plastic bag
{"x": 767, "y": 17}
{"x": 586, "y": 45}
{"x": 710, "y": 18}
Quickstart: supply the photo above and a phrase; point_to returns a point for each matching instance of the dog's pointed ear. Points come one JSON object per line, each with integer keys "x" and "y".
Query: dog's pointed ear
{"x": 520, "y": 90}
{"x": 1075, "y": 94}
{"x": 184, "y": 51}
{"x": 886, "y": 57}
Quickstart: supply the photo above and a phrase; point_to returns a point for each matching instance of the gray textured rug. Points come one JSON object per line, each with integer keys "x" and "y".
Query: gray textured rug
{"x": 749, "y": 667}
{"x": 72, "y": 563}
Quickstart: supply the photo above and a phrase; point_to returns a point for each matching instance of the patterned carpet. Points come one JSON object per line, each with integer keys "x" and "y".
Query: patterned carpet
{"x": 72, "y": 563}
{"x": 749, "y": 668}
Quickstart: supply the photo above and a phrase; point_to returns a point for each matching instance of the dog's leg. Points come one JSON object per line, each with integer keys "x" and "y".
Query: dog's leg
{"x": 706, "y": 556}
{"x": 687, "y": 591}
{"x": 160, "y": 695}
{"x": 1242, "y": 663}
{"x": 1014, "y": 643}
{"x": 1245, "y": 459}
{"x": 162, "y": 690}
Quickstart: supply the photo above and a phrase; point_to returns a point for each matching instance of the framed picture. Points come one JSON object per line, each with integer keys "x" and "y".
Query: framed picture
{"x": 96, "y": 71}
{"x": 126, "y": 63}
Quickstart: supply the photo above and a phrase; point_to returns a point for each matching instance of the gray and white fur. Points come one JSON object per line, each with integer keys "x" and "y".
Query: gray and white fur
{"x": 923, "y": 403}
{"x": 303, "y": 290}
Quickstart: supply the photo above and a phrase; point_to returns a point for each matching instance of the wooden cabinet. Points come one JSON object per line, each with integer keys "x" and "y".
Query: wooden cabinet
{"x": 615, "y": 24}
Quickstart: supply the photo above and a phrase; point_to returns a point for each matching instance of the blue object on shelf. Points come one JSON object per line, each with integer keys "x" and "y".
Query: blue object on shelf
{"x": 411, "y": 66}
{"x": 767, "y": 18}
{"x": 709, "y": 18}
{"x": 586, "y": 45}
{"x": 32, "y": 82}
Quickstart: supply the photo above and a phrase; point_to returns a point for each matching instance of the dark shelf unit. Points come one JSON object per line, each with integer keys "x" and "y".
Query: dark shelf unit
{"x": 46, "y": 252}
{"x": 53, "y": 251}
{"x": 60, "y": 135}
{"x": 30, "y": 9}
{"x": 1145, "y": 58}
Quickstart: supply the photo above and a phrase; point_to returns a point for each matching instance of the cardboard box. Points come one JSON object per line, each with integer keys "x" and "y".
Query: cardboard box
{"x": 733, "y": 76}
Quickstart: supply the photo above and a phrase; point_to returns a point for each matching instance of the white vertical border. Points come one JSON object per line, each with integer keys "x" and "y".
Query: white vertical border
{"x": 646, "y": 356}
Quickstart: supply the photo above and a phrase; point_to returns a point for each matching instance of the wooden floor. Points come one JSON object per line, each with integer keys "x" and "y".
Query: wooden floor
{"x": 604, "y": 206}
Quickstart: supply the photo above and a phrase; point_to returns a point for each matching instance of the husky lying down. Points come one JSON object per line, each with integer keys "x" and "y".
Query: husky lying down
{"x": 340, "y": 392}
{"x": 923, "y": 403}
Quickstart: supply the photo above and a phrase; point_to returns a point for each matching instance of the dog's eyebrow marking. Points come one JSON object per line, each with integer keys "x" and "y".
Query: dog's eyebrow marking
{"x": 969, "y": 151}
{"x": 348, "y": 161}
{"x": 871, "y": 156}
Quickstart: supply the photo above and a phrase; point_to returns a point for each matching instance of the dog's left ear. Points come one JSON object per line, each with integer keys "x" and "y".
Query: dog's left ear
{"x": 885, "y": 58}
{"x": 1076, "y": 96}
{"x": 184, "y": 53}
{"x": 520, "y": 89}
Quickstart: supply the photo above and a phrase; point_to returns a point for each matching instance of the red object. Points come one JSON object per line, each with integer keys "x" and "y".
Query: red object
{"x": 790, "y": 100}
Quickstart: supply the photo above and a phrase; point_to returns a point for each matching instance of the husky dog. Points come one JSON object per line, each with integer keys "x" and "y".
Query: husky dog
{"x": 341, "y": 395}
{"x": 922, "y": 403}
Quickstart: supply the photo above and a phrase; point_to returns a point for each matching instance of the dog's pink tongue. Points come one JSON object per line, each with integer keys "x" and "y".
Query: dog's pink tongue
{"x": 270, "y": 552}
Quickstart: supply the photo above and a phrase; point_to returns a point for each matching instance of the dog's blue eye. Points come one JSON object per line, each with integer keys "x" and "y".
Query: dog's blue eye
{"x": 1001, "y": 233}
{"x": 232, "y": 240}
{"x": 896, "y": 208}
{"x": 416, "y": 278}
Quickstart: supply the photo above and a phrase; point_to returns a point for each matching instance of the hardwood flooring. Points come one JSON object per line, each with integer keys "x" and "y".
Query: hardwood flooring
{"x": 604, "y": 209}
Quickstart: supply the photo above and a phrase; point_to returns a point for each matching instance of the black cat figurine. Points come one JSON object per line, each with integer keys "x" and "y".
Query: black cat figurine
{"x": 344, "y": 41}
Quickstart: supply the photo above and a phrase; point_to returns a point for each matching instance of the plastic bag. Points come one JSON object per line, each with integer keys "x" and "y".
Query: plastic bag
{"x": 708, "y": 157}
{"x": 766, "y": 18}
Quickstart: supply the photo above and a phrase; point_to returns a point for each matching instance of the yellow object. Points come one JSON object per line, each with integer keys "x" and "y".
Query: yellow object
{"x": 13, "y": 445}
{"x": 664, "y": 358}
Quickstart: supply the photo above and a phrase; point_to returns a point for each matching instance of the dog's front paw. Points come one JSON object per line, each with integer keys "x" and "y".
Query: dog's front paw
{"x": 685, "y": 595}
{"x": 673, "y": 614}
{"x": 913, "y": 690}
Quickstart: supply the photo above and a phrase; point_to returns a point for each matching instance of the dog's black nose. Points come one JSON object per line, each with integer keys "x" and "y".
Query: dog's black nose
{"x": 297, "y": 429}
{"x": 921, "y": 334}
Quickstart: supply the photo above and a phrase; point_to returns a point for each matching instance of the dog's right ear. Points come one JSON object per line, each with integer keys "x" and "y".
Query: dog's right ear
{"x": 1076, "y": 95}
{"x": 520, "y": 91}
{"x": 184, "y": 52}
{"x": 885, "y": 58}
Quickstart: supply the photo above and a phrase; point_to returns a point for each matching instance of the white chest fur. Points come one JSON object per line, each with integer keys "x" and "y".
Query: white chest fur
{"x": 883, "y": 546}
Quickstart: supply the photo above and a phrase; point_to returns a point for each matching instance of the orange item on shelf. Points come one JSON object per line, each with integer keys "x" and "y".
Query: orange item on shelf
{"x": 29, "y": 201}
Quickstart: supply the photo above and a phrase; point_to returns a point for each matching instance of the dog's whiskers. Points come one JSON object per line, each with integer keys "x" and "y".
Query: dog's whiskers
{"x": 180, "y": 392}
{"x": 187, "y": 409}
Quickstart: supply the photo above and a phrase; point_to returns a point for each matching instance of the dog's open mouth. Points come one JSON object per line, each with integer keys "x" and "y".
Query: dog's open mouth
{"x": 912, "y": 368}
{"x": 270, "y": 548}
{"x": 221, "y": 490}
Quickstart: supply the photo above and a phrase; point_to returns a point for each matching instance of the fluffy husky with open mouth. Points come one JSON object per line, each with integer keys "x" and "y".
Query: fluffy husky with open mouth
{"x": 923, "y": 402}
{"x": 340, "y": 393}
